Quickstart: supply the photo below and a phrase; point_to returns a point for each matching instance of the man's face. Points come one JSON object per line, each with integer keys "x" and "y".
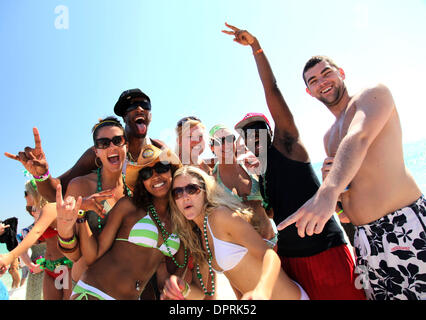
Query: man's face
{"x": 325, "y": 83}
{"x": 257, "y": 138}
{"x": 137, "y": 121}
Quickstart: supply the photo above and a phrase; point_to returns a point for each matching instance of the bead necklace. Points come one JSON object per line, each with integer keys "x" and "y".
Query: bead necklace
{"x": 209, "y": 262}
{"x": 166, "y": 236}
{"x": 99, "y": 189}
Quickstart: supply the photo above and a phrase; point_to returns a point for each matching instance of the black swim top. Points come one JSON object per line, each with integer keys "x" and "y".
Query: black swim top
{"x": 289, "y": 184}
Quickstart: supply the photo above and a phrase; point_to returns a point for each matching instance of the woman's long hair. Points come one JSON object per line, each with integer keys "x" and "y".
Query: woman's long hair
{"x": 215, "y": 197}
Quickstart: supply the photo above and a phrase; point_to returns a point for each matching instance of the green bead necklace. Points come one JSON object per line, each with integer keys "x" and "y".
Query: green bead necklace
{"x": 209, "y": 262}
{"x": 99, "y": 189}
{"x": 166, "y": 236}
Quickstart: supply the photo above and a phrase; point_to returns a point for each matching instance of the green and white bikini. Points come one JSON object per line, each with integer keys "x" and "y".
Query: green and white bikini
{"x": 145, "y": 233}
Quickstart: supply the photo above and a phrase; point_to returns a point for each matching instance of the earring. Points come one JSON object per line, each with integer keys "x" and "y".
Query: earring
{"x": 96, "y": 163}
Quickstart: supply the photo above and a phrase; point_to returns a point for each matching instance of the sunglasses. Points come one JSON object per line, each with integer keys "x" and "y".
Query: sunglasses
{"x": 26, "y": 193}
{"x": 159, "y": 167}
{"x": 103, "y": 143}
{"x": 182, "y": 121}
{"x": 189, "y": 189}
{"x": 145, "y": 104}
{"x": 221, "y": 141}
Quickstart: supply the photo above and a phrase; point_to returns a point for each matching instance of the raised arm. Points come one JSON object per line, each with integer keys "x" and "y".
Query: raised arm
{"x": 286, "y": 133}
{"x": 373, "y": 110}
{"x": 35, "y": 161}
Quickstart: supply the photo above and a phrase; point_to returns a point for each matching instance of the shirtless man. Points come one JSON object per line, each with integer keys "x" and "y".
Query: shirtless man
{"x": 133, "y": 106}
{"x": 383, "y": 201}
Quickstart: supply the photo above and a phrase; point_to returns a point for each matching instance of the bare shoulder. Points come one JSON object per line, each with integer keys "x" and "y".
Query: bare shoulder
{"x": 374, "y": 94}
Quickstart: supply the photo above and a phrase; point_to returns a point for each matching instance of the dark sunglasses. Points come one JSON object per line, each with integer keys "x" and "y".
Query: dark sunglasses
{"x": 190, "y": 189}
{"x": 145, "y": 104}
{"x": 26, "y": 193}
{"x": 182, "y": 121}
{"x": 103, "y": 143}
{"x": 221, "y": 141}
{"x": 159, "y": 167}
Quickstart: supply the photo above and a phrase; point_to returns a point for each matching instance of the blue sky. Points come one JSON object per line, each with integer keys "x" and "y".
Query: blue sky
{"x": 63, "y": 80}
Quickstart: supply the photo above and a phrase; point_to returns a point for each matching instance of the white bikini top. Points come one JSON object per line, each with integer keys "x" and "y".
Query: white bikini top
{"x": 227, "y": 254}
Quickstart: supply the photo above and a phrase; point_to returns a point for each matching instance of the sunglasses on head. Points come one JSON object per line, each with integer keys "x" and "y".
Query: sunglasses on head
{"x": 221, "y": 141}
{"x": 182, "y": 121}
{"x": 103, "y": 143}
{"x": 190, "y": 189}
{"x": 159, "y": 167}
{"x": 143, "y": 104}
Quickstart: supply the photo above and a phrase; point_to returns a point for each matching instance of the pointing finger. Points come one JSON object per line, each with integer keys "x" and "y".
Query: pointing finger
{"x": 289, "y": 221}
{"x": 12, "y": 156}
{"x": 37, "y": 140}
{"x": 232, "y": 27}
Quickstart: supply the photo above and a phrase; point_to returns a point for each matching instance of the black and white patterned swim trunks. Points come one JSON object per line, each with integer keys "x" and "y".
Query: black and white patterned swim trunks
{"x": 391, "y": 255}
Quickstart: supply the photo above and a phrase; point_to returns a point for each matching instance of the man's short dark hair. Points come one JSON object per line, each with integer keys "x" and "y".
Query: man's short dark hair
{"x": 315, "y": 60}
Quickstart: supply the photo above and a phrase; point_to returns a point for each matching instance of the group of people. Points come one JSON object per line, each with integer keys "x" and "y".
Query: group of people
{"x": 133, "y": 219}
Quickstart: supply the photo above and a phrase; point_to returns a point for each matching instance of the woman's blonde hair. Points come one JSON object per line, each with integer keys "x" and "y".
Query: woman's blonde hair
{"x": 39, "y": 201}
{"x": 215, "y": 197}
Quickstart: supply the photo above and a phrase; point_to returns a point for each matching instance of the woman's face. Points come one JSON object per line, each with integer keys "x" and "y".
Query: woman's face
{"x": 111, "y": 147}
{"x": 224, "y": 145}
{"x": 158, "y": 184}
{"x": 30, "y": 205}
{"x": 189, "y": 197}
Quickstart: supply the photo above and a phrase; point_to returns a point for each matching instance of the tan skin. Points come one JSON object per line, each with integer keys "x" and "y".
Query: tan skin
{"x": 366, "y": 143}
{"x": 118, "y": 268}
{"x": 35, "y": 161}
{"x": 86, "y": 187}
{"x": 235, "y": 178}
{"x": 47, "y": 219}
{"x": 258, "y": 275}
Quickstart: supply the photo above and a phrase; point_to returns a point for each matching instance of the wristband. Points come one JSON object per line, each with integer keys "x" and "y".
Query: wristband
{"x": 341, "y": 211}
{"x": 67, "y": 250}
{"x": 42, "y": 177}
{"x": 258, "y": 51}
{"x": 67, "y": 241}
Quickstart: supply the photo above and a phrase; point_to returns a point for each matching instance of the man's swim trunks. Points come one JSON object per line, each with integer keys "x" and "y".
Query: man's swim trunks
{"x": 391, "y": 254}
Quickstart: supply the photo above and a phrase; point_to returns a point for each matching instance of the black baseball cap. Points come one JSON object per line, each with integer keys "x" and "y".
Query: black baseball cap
{"x": 126, "y": 97}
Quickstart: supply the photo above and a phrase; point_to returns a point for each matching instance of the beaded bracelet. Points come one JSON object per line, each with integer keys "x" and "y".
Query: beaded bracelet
{"x": 43, "y": 177}
{"x": 258, "y": 51}
{"x": 67, "y": 241}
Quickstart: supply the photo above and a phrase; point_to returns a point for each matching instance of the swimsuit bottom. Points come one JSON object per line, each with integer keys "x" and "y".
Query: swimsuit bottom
{"x": 84, "y": 291}
{"x": 50, "y": 266}
{"x": 391, "y": 255}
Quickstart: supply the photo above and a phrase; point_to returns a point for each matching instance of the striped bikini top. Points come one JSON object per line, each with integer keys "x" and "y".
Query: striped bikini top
{"x": 145, "y": 233}
{"x": 255, "y": 187}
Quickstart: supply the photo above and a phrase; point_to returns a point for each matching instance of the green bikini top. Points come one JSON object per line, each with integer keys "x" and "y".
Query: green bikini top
{"x": 145, "y": 233}
{"x": 255, "y": 188}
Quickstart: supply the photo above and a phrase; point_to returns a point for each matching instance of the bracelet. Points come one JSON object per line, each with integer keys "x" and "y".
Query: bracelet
{"x": 81, "y": 216}
{"x": 42, "y": 177}
{"x": 258, "y": 51}
{"x": 341, "y": 211}
{"x": 67, "y": 241}
{"x": 187, "y": 290}
{"x": 67, "y": 250}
